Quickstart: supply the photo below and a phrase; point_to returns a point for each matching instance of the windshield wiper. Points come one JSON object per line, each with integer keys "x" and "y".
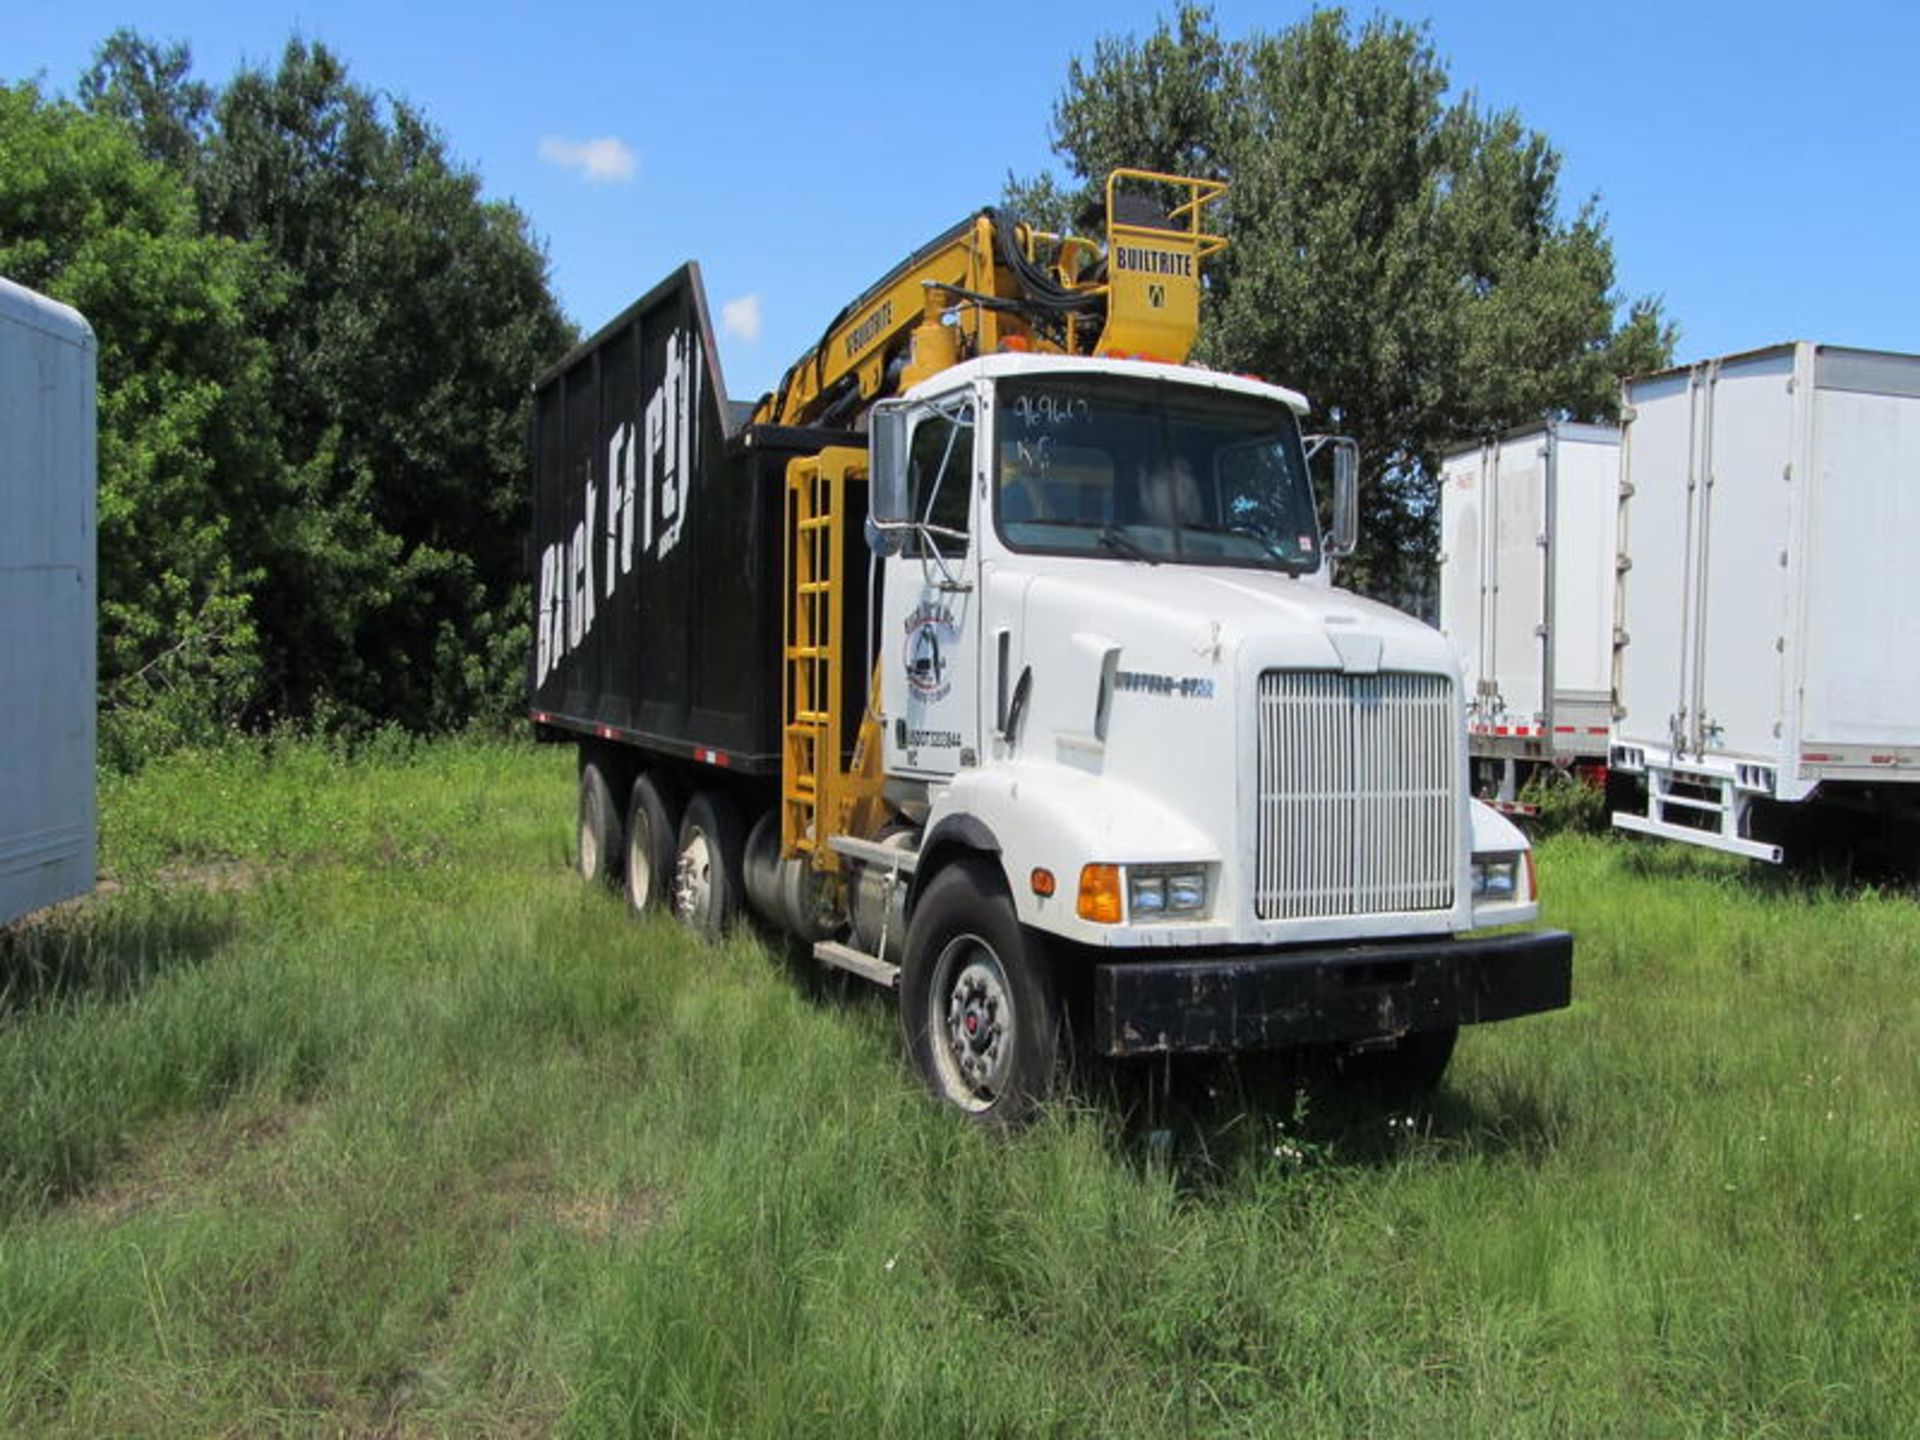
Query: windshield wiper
{"x": 1112, "y": 538}
{"x": 1266, "y": 542}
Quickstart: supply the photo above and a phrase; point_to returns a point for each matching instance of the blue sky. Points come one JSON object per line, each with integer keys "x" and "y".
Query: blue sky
{"x": 1758, "y": 163}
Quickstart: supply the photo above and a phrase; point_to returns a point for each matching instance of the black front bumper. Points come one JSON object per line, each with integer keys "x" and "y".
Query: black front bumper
{"x": 1258, "y": 1000}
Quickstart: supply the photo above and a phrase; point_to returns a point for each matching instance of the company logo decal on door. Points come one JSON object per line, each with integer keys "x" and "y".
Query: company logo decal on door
{"x": 931, "y": 642}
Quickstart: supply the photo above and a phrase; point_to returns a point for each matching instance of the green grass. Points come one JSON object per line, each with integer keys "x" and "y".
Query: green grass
{"x": 350, "y": 1111}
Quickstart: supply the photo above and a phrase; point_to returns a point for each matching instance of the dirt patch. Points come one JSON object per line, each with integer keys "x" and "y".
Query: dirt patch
{"x": 224, "y": 876}
{"x": 523, "y": 1192}
{"x": 189, "y": 1160}
{"x": 608, "y": 1216}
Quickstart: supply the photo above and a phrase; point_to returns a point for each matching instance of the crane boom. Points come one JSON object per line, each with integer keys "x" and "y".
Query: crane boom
{"x": 992, "y": 283}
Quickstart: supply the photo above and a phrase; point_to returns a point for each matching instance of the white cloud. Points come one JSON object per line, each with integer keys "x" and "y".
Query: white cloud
{"x": 741, "y": 318}
{"x": 604, "y": 159}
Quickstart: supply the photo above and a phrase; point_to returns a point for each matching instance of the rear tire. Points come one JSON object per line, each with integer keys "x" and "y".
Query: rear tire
{"x": 599, "y": 838}
{"x": 653, "y": 835}
{"x": 709, "y": 881}
{"x": 979, "y": 1011}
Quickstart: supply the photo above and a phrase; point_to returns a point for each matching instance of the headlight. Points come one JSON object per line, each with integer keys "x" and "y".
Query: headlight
{"x": 1187, "y": 890}
{"x": 1499, "y": 879}
{"x": 1504, "y": 878}
{"x": 1154, "y": 893}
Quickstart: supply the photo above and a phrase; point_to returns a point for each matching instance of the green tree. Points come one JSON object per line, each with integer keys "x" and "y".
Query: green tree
{"x": 1399, "y": 257}
{"x": 151, "y": 88}
{"x": 405, "y": 316}
{"x": 186, "y": 459}
{"x": 410, "y": 317}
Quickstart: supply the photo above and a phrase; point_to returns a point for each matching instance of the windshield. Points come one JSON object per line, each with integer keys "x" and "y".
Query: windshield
{"x": 1152, "y": 471}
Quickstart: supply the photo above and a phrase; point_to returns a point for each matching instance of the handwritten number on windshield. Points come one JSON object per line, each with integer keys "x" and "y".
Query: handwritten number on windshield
{"x": 1049, "y": 410}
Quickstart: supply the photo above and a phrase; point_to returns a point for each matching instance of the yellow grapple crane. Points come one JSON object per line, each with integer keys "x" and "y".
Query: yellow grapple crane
{"x": 991, "y": 283}
{"x": 988, "y": 284}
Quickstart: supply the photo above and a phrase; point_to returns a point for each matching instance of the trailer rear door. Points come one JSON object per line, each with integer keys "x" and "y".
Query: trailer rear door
{"x": 1517, "y": 617}
{"x": 1737, "y": 612}
{"x": 1862, "y": 556}
{"x": 1463, "y": 562}
{"x": 1584, "y": 501}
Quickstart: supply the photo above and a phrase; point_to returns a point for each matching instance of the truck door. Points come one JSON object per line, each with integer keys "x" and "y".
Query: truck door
{"x": 930, "y": 638}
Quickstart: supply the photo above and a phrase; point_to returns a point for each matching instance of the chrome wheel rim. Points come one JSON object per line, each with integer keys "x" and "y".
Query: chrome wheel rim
{"x": 693, "y": 880}
{"x": 971, "y": 1023}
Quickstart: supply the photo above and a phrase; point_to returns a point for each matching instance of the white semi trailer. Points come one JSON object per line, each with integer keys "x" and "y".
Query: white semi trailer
{"x": 46, "y": 602}
{"x": 1527, "y": 551}
{"x": 1769, "y": 600}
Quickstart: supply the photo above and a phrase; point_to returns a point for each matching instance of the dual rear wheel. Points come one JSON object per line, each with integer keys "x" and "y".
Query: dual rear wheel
{"x": 709, "y": 880}
{"x": 687, "y": 858}
{"x": 597, "y": 853}
{"x": 653, "y": 826}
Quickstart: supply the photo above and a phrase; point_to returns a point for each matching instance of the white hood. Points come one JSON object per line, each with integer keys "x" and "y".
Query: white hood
{"x": 1191, "y": 615}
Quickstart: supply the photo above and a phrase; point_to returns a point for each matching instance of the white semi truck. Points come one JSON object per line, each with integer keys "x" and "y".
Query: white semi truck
{"x": 1527, "y": 553}
{"x": 46, "y": 602}
{"x": 998, "y": 657}
{"x": 1768, "y": 605}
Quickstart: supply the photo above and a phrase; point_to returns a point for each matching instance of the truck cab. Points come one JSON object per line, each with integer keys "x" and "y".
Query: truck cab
{"x": 1114, "y": 672}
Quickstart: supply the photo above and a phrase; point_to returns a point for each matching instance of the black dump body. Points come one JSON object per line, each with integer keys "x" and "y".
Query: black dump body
{"x": 657, "y": 548}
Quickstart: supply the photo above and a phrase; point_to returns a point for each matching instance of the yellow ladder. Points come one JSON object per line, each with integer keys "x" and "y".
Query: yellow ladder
{"x": 818, "y": 797}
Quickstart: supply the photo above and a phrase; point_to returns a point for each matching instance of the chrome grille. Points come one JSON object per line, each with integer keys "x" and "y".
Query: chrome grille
{"x": 1358, "y": 798}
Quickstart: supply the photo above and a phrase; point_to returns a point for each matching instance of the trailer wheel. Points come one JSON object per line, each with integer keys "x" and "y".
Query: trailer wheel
{"x": 1408, "y": 1069}
{"x": 598, "y": 856}
{"x": 979, "y": 1011}
{"x": 653, "y": 832}
{"x": 708, "y": 876}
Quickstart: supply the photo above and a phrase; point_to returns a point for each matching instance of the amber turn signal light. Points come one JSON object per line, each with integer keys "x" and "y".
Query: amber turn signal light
{"x": 1042, "y": 881}
{"x": 1100, "y": 894}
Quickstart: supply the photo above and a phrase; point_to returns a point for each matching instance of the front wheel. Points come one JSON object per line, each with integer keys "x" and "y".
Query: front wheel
{"x": 978, "y": 1008}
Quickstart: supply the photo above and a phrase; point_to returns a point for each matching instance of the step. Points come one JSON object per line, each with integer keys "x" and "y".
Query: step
{"x": 872, "y": 852}
{"x": 858, "y": 962}
{"x": 1687, "y": 802}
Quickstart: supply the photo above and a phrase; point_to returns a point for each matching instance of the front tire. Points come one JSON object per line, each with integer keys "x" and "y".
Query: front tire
{"x": 979, "y": 1011}
{"x": 709, "y": 880}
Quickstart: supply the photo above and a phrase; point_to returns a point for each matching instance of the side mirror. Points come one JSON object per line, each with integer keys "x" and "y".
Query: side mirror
{"x": 1346, "y": 491}
{"x": 887, "y": 516}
